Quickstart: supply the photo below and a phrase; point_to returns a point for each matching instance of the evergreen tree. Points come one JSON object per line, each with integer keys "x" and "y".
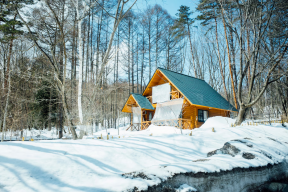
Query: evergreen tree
{"x": 208, "y": 11}
{"x": 46, "y": 97}
{"x": 183, "y": 22}
{"x": 10, "y": 27}
{"x": 182, "y": 29}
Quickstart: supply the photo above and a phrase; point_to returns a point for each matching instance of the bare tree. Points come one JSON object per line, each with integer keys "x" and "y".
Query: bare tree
{"x": 265, "y": 60}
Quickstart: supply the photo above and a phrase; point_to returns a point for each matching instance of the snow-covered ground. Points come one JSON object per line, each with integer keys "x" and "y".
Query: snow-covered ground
{"x": 38, "y": 134}
{"x": 117, "y": 164}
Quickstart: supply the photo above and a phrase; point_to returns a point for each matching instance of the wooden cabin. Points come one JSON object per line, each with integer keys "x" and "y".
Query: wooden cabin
{"x": 200, "y": 101}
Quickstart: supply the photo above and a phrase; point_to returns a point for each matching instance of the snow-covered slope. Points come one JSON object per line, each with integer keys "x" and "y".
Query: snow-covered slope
{"x": 136, "y": 159}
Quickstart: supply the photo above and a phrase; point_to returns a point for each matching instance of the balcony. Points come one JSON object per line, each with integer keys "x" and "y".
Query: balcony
{"x": 173, "y": 95}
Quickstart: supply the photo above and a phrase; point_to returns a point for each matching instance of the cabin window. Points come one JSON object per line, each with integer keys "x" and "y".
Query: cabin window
{"x": 150, "y": 116}
{"x": 202, "y": 115}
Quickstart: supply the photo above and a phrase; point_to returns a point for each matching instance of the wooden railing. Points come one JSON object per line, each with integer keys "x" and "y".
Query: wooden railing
{"x": 179, "y": 123}
{"x": 145, "y": 125}
{"x": 174, "y": 95}
{"x": 134, "y": 127}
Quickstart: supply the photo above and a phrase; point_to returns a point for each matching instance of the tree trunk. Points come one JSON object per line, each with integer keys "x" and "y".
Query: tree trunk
{"x": 192, "y": 54}
{"x": 220, "y": 63}
{"x": 248, "y": 49}
{"x": 73, "y": 61}
{"x": 7, "y": 85}
{"x": 229, "y": 60}
{"x": 241, "y": 115}
{"x": 80, "y": 55}
{"x": 142, "y": 67}
{"x": 282, "y": 99}
{"x": 117, "y": 59}
{"x": 92, "y": 50}
{"x": 157, "y": 36}
{"x": 9, "y": 58}
{"x": 132, "y": 63}
{"x": 6, "y": 108}
{"x": 129, "y": 76}
{"x": 137, "y": 67}
{"x": 50, "y": 109}
{"x": 87, "y": 49}
{"x": 98, "y": 46}
{"x": 60, "y": 118}
{"x": 149, "y": 47}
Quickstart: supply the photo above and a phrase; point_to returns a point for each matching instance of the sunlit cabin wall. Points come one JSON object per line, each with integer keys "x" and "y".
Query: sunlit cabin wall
{"x": 129, "y": 104}
{"x": 157, "y": 79}
{"x": 191, "y": 112}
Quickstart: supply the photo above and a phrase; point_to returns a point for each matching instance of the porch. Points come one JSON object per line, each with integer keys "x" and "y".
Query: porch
{"x": 179, "y": 123}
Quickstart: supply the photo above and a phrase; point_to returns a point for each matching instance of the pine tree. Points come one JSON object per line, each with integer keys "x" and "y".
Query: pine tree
{"x": 46, "y": 103}
{"x": 10, "y": 26}
{"x": 209, "y": 12}
{"x": 182, "y": 28}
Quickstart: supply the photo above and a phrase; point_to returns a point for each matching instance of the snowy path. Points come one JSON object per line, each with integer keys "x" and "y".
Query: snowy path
{"x": 98, "y": 165}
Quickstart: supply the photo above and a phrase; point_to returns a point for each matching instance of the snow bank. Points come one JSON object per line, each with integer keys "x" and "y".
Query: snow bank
{"x": 218, "y": 122}
{"x": 162, "y": 130}
{"x": 136, "y": 159}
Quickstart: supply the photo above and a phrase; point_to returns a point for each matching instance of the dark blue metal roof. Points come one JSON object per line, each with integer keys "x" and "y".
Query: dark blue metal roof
{"x": 142, "y": 101}
{"x": 197, "y": 91}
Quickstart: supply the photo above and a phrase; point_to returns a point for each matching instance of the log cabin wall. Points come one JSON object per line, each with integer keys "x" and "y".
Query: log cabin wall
{"x": 188, "y": 113}
{"x": 191, "y": 112}
{"x": 212, "y": 112}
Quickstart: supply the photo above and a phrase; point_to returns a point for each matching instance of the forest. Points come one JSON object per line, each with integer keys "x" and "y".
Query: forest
{"x": 74, "y": 63}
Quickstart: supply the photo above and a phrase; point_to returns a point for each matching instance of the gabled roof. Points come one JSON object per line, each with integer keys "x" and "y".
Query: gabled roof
{"x": 197, "y": 91}
{"x": 142, "y": 101}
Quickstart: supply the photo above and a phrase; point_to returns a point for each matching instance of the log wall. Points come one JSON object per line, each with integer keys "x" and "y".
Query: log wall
{"x": 191, "y": 112}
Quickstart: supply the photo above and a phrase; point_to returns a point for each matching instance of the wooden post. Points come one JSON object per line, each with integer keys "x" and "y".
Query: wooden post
{"x": 191, "y": 122}
{"x": 141, "y": 119}
{"x": 196, "y": 119}
{"x": 118, "y": 121}
{"x": 180, "y": 125}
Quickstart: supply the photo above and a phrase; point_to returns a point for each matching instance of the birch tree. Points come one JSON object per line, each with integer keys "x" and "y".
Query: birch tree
{"x": 82, "y": 9}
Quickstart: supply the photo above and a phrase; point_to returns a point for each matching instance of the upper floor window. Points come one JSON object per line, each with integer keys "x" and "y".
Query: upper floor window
{"x": 202, "y": 115}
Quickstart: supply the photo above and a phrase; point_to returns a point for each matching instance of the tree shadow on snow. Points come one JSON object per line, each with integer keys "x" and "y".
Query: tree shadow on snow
{"x": 68, "y": 155}
{"x": 44, "y": 178}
